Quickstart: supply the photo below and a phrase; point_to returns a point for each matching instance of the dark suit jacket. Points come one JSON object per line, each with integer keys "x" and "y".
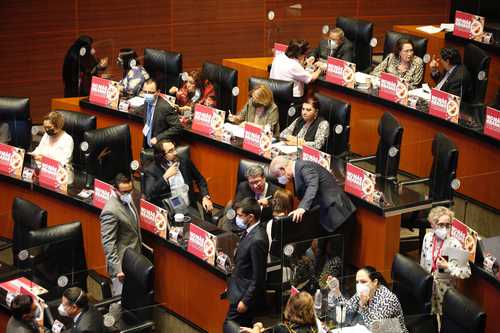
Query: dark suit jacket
{"x": 156, "y": 188}
{"x": 344, "y": 51}
{"x": 244, "y": 191}
{"x": 314, "y": 185}
{"x": 247, "y": 282}
{"x": 165, "y": 124}
{"x": 458, "y": 83}
{"x": 90, "y": 321}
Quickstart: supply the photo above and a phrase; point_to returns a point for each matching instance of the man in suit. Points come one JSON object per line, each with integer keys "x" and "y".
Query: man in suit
{"x": 169, "y": 173}
{"x": 454, "y": 78}
{"x": 336, "y": 45}
{"x": 26, "y": 316}
{"x": 120, "y": 227}
{"x": 160, "y": 119}
{"x": 75, "y": 305}
{"x": 246, "y": 286}
{"x": 314, "y": 185}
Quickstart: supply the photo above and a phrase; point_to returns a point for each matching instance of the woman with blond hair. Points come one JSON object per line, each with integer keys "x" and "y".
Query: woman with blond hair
{"x": 444, "y": 270}
{"x": 260, "y": 109}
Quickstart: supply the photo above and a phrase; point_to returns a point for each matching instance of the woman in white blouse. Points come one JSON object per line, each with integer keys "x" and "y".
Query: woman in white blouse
{"x": 444, "y": 271}
{"x": 288, "y": 67}
{"x": 56, "y": 143}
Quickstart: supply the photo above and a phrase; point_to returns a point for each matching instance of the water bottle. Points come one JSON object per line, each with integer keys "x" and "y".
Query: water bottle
{"x": 318, "y": 302}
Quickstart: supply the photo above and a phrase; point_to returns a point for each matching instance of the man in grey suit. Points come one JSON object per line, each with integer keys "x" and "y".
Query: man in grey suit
{"x": 336, "y": 45}
{"x": 314, "y": 185}
{"x": 26, "y": 316}
{"x": 75, "y": 305}
{"x": 120, "y": 226}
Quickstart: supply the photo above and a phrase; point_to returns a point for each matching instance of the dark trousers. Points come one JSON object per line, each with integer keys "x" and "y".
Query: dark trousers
{"x": 243, "y": 319}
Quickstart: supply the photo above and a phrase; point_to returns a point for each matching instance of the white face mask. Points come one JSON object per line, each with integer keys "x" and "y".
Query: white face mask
{"x": 240, "y": 222}
{"x": 441, "y": 232}
{"x": 283, "y": 180}
{"x": 62, "y": 311}
{"x": 333, "y": 44}
{"x": 362, "y": 288}
{"x": 126, "y": 198}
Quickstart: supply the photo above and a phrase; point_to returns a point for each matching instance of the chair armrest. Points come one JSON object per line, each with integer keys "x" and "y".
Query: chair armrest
{"x": 5, "y": 246}
{"x": 218, "y": 215}
{"x": 359, "y": 159}
{"x": 446, "y": 203}
{"x": 108, "y": 301}
{"x": 413, "y": 182}
{"x": 103, "y": 282}
{"x": 139, "y": 328}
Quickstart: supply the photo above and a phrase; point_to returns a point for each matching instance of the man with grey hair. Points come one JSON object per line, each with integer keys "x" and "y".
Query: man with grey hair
{"x": 335, "y": 45}
{"x": 314, "y": 185}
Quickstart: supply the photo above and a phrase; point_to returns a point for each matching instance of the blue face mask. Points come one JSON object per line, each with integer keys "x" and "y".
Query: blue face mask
{"x": 149, "y": 98}
{"x": 240, "y": 222}
{"x": 283, "y": 180}
{"x": 126, "y": 198}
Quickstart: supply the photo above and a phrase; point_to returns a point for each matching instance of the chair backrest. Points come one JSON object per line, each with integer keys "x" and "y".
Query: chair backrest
{"x": 391, "y": 38}
{"x": 444, "y": 168}
{"x": 165, "y": 67}
{"x": 15, "y": 111}
{"x": 138, "y": 287}
{"x": 391, "y": 135}
{"x": 109, "y": 152}
{"x": 282, "y": 94}
{"x": 360, "y": 33}
{"x": 63, "y": 254}
{"x": 461, "y": 315}
{"x": 76, "y": 124}
{"x": 26, "y": 216}
{"x": 477, "y": 60}
{"x": 338, "y": 114}
{"x": 224, "y": 80}
{"x": 412, "y": 285}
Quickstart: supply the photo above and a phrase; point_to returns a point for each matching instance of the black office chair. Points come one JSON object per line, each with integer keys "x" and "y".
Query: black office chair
{"x": 26, "y": 217}
{"x": 109, "y": 152}
{"x": 391, "y": 38}
{"x": 76, "y": 124}
{"x": 224, "y": 80}
{"x": 137, "y": 298}
{"x": 360, "y": 33}
{"x": 388, "y": 149}
{"x": 165, "y": 67}
{"x": 282, "y": 94}
{"x": 477, "y": 60}
{"x": 443, "y": 172}
{"x": 461, "y": 315}
{"x": 338, "y": 114}
{"x": 15, "y": 111}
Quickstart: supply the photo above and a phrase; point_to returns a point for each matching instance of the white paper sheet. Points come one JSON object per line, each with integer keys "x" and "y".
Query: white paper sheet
{"x": 420, "y": 93}
{"x": 235, "y": 130}
{"x": 430, "y": 29}
{"x": 453, "y": 253}
{"x": 447, "y": 26}
{"x": 284, "y": 148}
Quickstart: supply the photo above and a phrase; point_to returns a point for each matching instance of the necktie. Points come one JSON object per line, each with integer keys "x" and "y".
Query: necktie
{"x": 243, "y": 234}
{"x": 149, "y": 121}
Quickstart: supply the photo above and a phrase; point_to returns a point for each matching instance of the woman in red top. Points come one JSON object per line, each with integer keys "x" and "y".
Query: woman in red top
{"x": 194, "y": 90}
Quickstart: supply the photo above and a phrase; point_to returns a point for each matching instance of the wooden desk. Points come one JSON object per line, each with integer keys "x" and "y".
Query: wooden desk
{"x": 437, "y": 41}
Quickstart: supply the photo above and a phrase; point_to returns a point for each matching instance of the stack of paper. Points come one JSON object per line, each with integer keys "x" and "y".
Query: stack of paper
{"x": 430, "y": 29}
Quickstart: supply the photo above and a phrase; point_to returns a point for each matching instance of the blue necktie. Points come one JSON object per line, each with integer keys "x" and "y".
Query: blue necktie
{"x": 149, "y": 121}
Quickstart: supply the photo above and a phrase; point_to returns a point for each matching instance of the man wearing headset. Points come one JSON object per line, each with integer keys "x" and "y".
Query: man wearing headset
{"x": 75, "y": 305}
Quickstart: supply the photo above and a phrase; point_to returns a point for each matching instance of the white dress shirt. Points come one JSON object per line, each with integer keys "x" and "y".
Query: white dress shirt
{"x": 59, "y": 148}
{"x": 288, "y": 69}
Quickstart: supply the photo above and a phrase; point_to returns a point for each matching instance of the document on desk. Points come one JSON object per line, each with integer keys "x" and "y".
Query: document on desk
{"x": 353, "y": 329}
{"x": 453, "y": 253}
{"x": 430, "y": 29}
{"x": 421, "y": 93}
{"x": 284, "y": 148}
{"x": 235, "y": 130}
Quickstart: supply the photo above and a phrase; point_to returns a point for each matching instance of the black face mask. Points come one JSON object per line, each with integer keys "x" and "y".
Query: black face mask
{"x": 50, "y": 132}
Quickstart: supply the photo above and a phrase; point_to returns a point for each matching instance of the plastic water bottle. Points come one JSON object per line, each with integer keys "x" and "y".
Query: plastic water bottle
{"x": 331, "y": 301}
{"x": 318, "y": 302}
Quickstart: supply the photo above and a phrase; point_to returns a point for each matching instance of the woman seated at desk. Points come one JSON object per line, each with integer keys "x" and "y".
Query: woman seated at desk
{"x": 135, "y": 76}
{"x": 373, "y": 300}
{"x": 56, "y": 143}
{"x": 403, "y": 63}
{"x": 260, "y": 109}
{"x": 310, "y": 129}
{"x": 194, "y": 90}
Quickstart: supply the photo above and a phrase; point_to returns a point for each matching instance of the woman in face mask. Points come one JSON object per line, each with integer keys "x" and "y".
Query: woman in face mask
{"x": 260, "y": 110}
{"x": 373, "y": 301}
{"x": 445, "y": 271}
{"x": 56, "y": 143}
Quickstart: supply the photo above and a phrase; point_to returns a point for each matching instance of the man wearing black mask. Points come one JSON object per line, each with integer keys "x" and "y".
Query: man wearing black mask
{"x": 27, "y": 316}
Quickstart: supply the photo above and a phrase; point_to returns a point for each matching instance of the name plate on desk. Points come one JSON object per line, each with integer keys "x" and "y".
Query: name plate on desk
{"x": 492, "y": 123}
{"x": 208, "y": 120}
{"x": 22, "y": 286}
{"x": 468, "y": 26}
{"x": 53, "y": 175}
{"x": 316, "y": 156}
{"x": 340, "y": 72}
{"x": 361, "y": 183}
{"x": 466, "y": 236}
{"x": 393, "y": 89}
{"x": 11, "y": 160}
{"x": 154, "y": 219}
{"x": 444, "y": 105}
{"x": 256, "y": 139}
{"x": 279, "y": 48}
{"x": 102, "y": 192}
{"x": 202, "y": 244}
{"x": 104, "y": 92}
